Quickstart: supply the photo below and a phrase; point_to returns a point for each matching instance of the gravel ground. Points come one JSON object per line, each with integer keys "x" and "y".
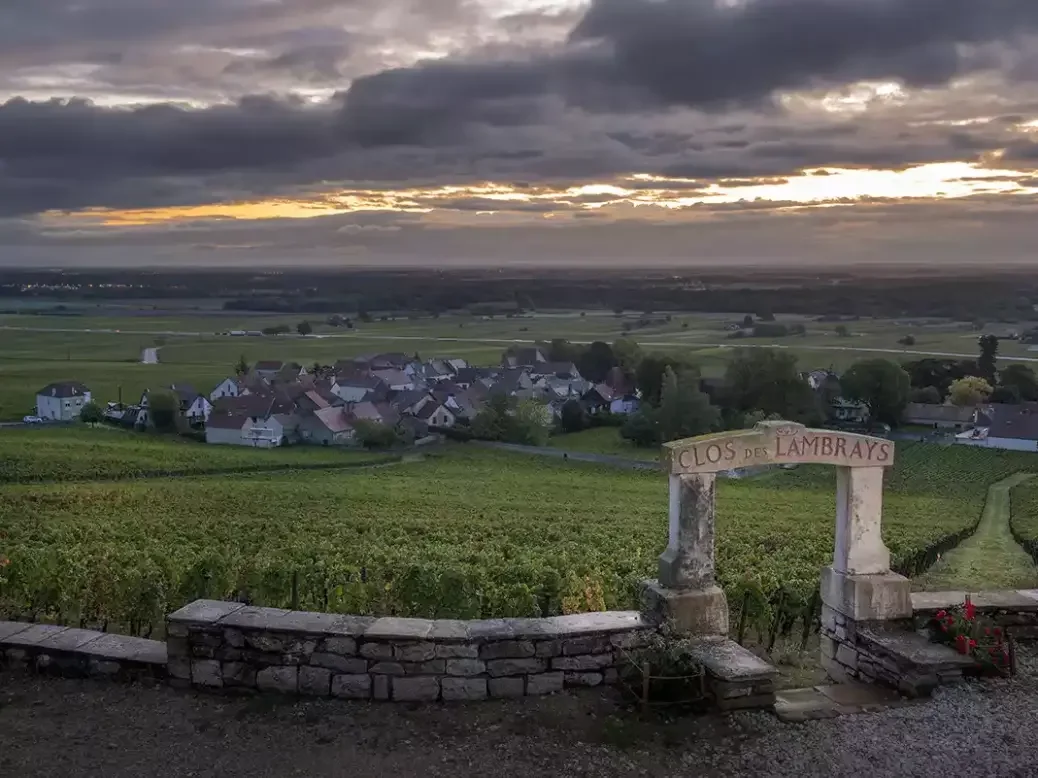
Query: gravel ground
{"x": 52, "y": 727}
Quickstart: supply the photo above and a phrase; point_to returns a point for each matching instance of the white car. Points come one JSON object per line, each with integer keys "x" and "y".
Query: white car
{"x": 31, "y": 420}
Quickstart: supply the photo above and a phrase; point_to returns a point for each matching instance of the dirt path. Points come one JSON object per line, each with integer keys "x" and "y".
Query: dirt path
{"x": 989, "y": 559}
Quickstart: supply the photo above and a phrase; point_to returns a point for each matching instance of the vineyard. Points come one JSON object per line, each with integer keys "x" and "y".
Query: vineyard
{"x": 468, "y": 534}
{"x": 87, "y": 454}
{"x": 1023, "y": 502}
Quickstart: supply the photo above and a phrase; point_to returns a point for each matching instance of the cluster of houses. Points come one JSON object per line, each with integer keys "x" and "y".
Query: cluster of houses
{"x": 279, "y": 403}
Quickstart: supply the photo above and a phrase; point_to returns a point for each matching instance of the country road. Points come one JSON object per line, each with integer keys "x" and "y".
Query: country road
{"x": 508, "y": 341}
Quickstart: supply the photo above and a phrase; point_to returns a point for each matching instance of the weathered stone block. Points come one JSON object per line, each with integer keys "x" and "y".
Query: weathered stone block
{"x": 879, "y": 597}
{"x": 206, "y": 672}
{"x": 238, "y": 674}
{"x": 177, "y": 647}
{"x": 465, "y": 667}
{"x": 414, "y": 652}
{"x": 176, "y": 630}
{"x": 386, "y": 668}
{"x": 418, "y": 688}
{"x": 578, "y": 663}
{"x": 548, "y": 648}
{"x": 211, "y": 639}
{"x": 746, "y": 702}
{"x": 203, "y": 652}
{"x": 432, "y": 667}
{"x": 464, "y": 689}
{"x": 457, "y": 651}
{"x": 594, "y": 644}
{"x": 583, "y": 679}
{"x": 233, "y": 637}
{"x": 545, "y": 683}
{"x": 847, "y": 656}
{"x": 376, "y": 651}
{"x": 278, "y": 679}
{"x": 506, "y": 687}
{"x": 500, "y": 667}
{"x": 315, "y": 680}
{"x": 687, "y": 611}
{"x": 353, "y": 687}
{"x": 610, "y": 676}
{"x": 349, "y": 665}
{"x": 179, "y": 667}
{"x": 380, "y": 687}
{"x": 394, "y": 628}
{"x": 344, "y": 646}
{"x": 631, "y": 640}
{"x": 507, "y": 649}
{"x": 204, "y": 611}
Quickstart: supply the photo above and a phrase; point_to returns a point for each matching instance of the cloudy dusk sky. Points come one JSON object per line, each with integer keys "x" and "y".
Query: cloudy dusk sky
{"x": 439, "y": 132}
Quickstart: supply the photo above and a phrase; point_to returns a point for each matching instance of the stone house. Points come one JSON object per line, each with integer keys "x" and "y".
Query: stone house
{"x": 228, "y": 387}
{"x": 225, "y": 429}
{"x": 327, "y": 427}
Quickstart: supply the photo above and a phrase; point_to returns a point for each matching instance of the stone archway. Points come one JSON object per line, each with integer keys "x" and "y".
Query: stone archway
{"x": 859, "y": 585}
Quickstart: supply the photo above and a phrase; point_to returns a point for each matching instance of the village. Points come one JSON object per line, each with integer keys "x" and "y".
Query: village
{"x": 386, "y": 399}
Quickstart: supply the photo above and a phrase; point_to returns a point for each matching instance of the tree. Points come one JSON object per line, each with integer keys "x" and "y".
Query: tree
{"x": 939, "y": 373}
{"x": 573, "y": 417}
{"x": 928, "y": 395}
{"x": 767, "y": 380}
{"x": 1006, "y": 395}
{"x": 969, "y": 391}
{"x": 528, "y": 423}
{"x": 304, "y": 328}
{"x": 561, "y": 350}
{"x": 91, "y": 413}
{"x": 365, "y": 317}
{"x": 371, "y": 434}
{"x": 684, "y": 411}
{"x": 747, "y": 321}
{"x": 1021, "y": 379}
{"x": 880, "y": 384}
{"x": 642, "y": 428}
{"x": 842, "y": 331}
{"x": 648, "y": 376}
{"x": 908, "y": 340}
{"x": 596, "y": 362}
{"x": 988, "y": 355}
{"x": 491, "y": 423}
{"x": 242, "y": 367}
{"x": 628, "y": 354}
{"x": 163, "y": 409}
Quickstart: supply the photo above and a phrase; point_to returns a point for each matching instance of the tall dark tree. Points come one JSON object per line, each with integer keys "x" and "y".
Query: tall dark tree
{"x": 596, "y": 362}
{"x": 649, "y": 375}
{"x": 767, "y": 380}
{"x": 304, "y": 328}
{"x": 685, "y": 411}
{"x": 573, "y": 417}
{"x": 988, "y": 355}
{"x": 1021, "y": 381}
{"x": 882, "y": 385}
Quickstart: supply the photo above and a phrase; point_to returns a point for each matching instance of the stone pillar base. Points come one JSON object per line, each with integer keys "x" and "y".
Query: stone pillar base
{"x": 879, "y": 597}
{"x": 686, "y": 611}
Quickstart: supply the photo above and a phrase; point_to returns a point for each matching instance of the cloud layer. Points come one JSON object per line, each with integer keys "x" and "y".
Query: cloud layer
{"x": 147, "y": 104}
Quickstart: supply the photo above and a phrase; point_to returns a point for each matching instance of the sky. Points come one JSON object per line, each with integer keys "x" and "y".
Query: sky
{"x": 612, "y": 133}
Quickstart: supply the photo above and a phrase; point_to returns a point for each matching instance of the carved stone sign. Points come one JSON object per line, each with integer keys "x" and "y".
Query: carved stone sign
{"x": 775, "y": 443}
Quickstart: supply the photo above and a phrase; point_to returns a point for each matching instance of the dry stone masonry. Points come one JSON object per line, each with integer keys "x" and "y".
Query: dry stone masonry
{"x": 228, "y": 645}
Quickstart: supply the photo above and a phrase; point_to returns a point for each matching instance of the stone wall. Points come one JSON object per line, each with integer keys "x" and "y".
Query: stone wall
{"x": 228, "y": 645}
{"x": 73, "y": 652}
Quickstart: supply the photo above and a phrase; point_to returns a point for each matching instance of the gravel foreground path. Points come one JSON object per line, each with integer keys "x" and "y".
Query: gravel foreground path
{"x": 52, "y": 727}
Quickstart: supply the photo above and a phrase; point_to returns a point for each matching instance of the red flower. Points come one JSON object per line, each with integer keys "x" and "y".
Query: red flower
{"x": 987, "y": 632}
{"x": 973, "y": 643}
{"x": 998, "y": 631}
{"x": 969, "y": 610}
{"x": 941, "y": 614}
{"x": 944, "y": 628}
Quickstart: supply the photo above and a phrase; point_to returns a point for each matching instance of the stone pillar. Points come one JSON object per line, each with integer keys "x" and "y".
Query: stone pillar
{"x": 859, "y": 588}
{"x": 686, "y": 595}
{"x": 859, "y": 511}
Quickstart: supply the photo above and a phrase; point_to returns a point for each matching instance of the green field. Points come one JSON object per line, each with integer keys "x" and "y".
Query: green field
{"x": 102, "y": 453}
{"x": 467, "y": 533}
{"x": 38, "y": 349}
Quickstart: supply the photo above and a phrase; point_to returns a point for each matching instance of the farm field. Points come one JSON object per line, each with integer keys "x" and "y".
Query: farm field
{"x": 465, "y": 534}
{"x": 602, "y": 440}
{"x": 82, "y": 453}
{"x": 39, "y": 349}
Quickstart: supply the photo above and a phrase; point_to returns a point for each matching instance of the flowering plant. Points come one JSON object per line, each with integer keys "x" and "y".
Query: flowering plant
{"x": 962, "y": 630}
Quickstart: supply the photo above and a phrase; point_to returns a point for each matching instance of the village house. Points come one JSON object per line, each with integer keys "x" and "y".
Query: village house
{"x": 355, "y": 388}
{"x": 436, "y": 414}
{"x": 228, "y": 387}
{"x": 396, "y": 379}
{"x": 222, "y": 429}
{"x": 522, "y": 357}
{"x": 1003, "y": 426}
{"x": 268, "y": 432}
{"x": 946, "y": 417}
{"x": 195, "y": 407}
{"x": 267, "y": 369}
{"x": 62, "y": 401}
{"x": 327, "y": 427}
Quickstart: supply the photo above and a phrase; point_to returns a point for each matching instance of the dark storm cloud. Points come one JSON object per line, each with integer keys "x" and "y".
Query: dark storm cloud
{"x": 635, "y": 88}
